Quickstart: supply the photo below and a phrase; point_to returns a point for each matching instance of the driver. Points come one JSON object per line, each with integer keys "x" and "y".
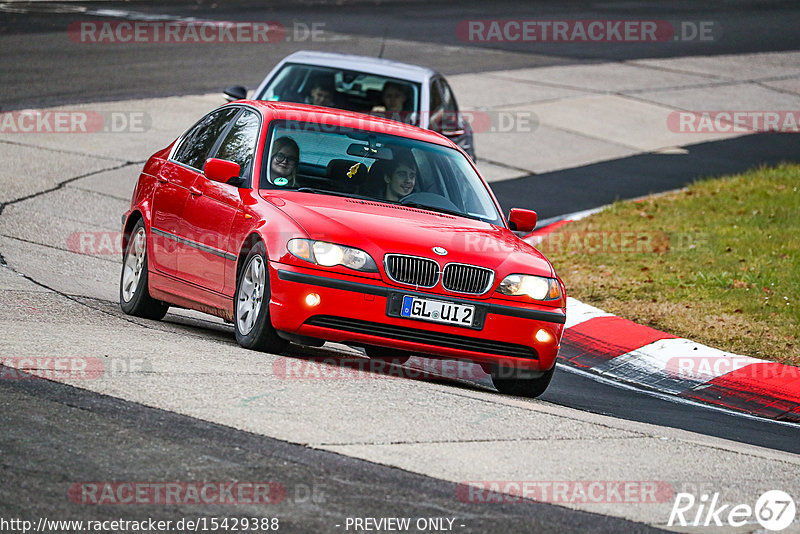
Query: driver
{"x": 283, "y": 162}
{"x": 400, "y": 177}
{"x": 394, "y": 103}
{"x": 323, "y": 91}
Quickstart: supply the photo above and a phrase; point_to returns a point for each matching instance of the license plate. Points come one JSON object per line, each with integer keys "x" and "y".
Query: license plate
{"x": 437, "y": 311}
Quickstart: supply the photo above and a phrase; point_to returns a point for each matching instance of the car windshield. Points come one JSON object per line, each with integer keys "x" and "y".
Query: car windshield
{"x": 337, "y": 160}
{"x": 345, "y": 89}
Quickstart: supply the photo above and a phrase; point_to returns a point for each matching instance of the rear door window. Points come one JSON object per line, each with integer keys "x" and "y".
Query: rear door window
{"x": 239, "y": 145}
{"x": 197, "y": 142}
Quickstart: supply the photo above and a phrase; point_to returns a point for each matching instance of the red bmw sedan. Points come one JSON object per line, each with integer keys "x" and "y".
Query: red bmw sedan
{"x": 305, "y": 224}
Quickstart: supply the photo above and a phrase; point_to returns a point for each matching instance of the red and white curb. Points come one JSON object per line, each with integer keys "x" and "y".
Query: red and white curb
{"x": 621, "y": 350}
{"x": 551, "y": 225}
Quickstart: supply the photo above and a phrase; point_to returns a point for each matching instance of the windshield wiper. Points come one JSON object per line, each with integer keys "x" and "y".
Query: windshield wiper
{"x": 334, "y": 193}
{"x": 435, "y": 208}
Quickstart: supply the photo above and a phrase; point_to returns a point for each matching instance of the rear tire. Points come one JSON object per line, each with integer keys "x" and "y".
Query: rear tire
{"x": 521, "y": 387}
{"x": 251, "y": 320}
{"x": 134, "y": 295}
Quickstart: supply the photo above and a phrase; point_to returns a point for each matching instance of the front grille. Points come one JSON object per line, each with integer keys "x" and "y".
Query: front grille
{"x": 450, "y": 341}
{"x": 420, "y": 272}
{"x": 467, "y": 278}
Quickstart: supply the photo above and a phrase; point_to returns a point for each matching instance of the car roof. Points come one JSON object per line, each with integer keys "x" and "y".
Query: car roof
{"x": 382, "y": 67}
{"x": 361, "y": 121}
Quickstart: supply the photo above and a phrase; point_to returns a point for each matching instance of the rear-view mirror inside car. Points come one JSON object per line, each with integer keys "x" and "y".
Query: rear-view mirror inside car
{"x": 363, "y": 151}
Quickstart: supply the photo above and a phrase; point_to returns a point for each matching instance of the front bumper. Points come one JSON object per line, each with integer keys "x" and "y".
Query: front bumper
{"x": 358, "y": 311}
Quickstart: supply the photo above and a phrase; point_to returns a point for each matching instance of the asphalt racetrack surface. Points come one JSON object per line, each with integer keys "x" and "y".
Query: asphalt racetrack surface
{"x": 42, "y": 68}
{"x": 319, "y": 489}
{"x": 55, "y": 434}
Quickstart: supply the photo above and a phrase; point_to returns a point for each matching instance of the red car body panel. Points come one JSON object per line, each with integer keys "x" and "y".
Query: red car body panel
{"x": 290, "y": 313}
{"x": 395, "y": 228}
{"x": 212, "y": 224}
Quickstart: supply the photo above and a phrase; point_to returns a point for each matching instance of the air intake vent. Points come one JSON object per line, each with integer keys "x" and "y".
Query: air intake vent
{"x": 450, "y": 341}
{"x": 467, "y": 278}
{"x": 420, "y": 272}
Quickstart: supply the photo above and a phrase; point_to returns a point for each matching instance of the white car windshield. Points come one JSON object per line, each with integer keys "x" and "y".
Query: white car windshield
{"x": 340, "y": 160}
{"x": 345, "y": 89}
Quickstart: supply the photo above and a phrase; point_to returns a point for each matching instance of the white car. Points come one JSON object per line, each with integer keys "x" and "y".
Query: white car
{"x": 366, "y": 84}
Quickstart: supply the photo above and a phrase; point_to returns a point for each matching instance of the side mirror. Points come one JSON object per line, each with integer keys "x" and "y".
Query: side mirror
{"x": 235, "y": 92}
{"x": 221, "y": 170}
{"x": 452, "y": 124}
{"x": 453, "y": 133}
{"x": 522, "y": 220}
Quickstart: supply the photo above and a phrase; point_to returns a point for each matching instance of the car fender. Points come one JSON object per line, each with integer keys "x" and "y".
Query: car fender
{"x": 274, "y": 229}
{"x": 142, "y": 197}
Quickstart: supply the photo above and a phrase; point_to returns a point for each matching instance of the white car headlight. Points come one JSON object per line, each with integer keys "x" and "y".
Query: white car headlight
{"x": 331, "y": 254}
{"x": 536, "y": 287}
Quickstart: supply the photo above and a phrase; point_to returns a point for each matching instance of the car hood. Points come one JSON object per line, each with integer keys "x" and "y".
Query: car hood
{"x": 379, "y": 228}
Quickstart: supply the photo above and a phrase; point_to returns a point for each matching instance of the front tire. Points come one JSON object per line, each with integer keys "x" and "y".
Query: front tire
{"x": 521, "y": 386}
{"x": 134, "y": 295}
{"x": 251, "y": 305}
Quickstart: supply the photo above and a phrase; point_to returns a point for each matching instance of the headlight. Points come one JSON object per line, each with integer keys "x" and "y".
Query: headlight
{"x": 331, "y": 254}
{"x": 536, "y": 287}
{"x": 328, "y": 254}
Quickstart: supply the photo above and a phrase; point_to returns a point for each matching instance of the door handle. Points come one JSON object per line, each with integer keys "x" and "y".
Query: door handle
{"x": 161, "y": 179}
{"x": 195, "y": 192}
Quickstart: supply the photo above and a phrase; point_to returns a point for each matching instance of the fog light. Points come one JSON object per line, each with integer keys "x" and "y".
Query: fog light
{"x": 543, "y": 336}
{"x": 312, "y": 299}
